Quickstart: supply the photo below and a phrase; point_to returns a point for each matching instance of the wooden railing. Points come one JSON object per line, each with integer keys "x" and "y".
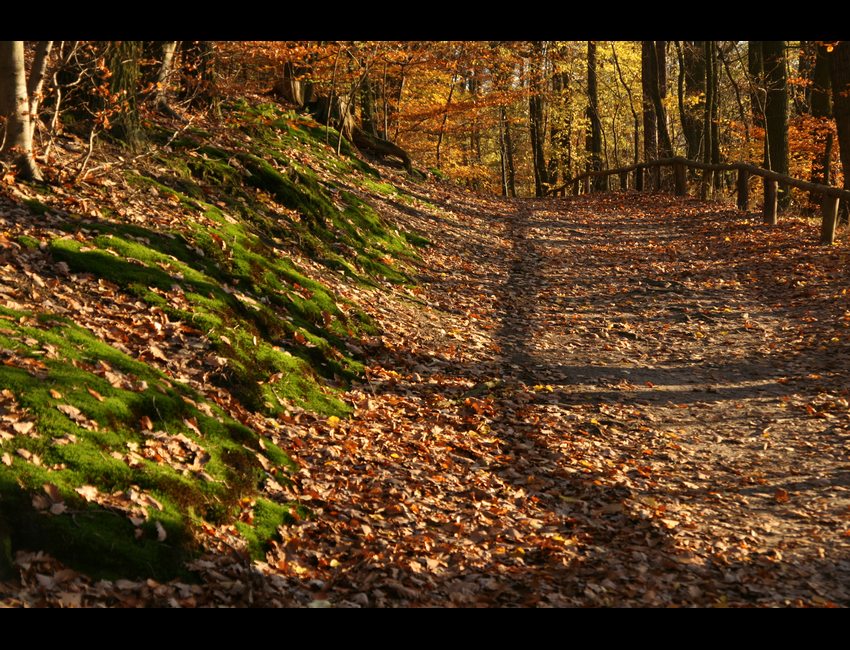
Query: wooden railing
{"x": 830, "y": 196}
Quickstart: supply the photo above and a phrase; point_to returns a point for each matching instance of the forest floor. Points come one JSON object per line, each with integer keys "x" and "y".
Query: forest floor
{"x": 618, "y": 400}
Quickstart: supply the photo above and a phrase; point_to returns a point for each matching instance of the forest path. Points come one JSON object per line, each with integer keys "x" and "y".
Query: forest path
{"x": 606, "y": 400}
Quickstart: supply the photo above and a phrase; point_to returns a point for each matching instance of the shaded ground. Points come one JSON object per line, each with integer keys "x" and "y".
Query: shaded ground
{"x": 605, "y": 401}
{"x": 661, "y": 425}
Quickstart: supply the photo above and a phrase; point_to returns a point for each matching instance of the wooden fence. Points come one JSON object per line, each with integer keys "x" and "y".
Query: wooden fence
{"x": 829, "y": 196}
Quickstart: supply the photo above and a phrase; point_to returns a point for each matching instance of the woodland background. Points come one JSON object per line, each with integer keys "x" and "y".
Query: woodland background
{"x": 510, "y": 117}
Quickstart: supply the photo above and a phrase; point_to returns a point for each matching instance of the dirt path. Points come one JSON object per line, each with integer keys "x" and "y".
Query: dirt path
{"x": 625, "y": 400}
{"x": 591, "y": 402}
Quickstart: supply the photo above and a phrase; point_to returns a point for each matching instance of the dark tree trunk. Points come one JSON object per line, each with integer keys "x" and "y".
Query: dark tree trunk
{"x": 709, "y": 128}
{"x": 536, "y": 126}
{"x": 650, "y": 122}
{"x": 594, "y": 132}
{"x": 840, "y": 78}
{"x": 692, "y": 96}
{"x": 755, "y": 67}
{"x": 776, "y": 112}
{"x": 446, "y": 116}
{"x": 201, "y": 87}
{"x": 367, "y": 107}
{"x": 558, "y": 135}
{"x": 123, "y": 61}
{"x": 658, "y": 62}
{"x": 507, "y": 155}
{"x": 821, "y": 109}
{"x": 721, "y": 55}
{"x": 538, "y": 135}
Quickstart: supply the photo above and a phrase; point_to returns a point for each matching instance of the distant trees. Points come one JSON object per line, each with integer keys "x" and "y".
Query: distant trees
{"x": 513, "y": 117}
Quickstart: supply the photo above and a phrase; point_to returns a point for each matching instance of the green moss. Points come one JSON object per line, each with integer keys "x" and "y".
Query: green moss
{"x": 28, "y": 242}
{"x": 53, "y": 363}
{"x": 36, "y": 206}
{"x": 224, "y": 268}
{"x": 267, "y": 517}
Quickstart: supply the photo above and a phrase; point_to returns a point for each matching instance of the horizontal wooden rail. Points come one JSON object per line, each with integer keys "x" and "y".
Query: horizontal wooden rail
{"x": 771, "y": 180}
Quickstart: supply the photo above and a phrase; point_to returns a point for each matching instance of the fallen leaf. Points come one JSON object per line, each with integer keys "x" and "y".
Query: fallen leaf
{"x": 23, "y": 427}
{"x": 88, "y": 492}
{"x": 95, "y": 394}
{"x": 52, "y": 491}
{"x": 71, "y": 411}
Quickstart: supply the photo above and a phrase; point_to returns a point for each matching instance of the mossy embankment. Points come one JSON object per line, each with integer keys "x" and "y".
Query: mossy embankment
{"x": 113, "y": 463}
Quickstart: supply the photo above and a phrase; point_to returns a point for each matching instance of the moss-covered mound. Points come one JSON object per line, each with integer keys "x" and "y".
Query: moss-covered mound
{"x": 110, "y": 462}
{"x": 105, "y": 461}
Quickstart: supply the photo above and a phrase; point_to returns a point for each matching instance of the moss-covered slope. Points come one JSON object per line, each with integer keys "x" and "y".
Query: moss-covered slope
{"x": 109, "y": 461}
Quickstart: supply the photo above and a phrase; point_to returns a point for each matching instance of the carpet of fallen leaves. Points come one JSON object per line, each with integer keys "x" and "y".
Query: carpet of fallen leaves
{"x": 615, "y": 400}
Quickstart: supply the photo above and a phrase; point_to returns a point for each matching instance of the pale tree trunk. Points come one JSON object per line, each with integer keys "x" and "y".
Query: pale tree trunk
{"x": 162, "y": 77}
{"x": 19, "y": 102}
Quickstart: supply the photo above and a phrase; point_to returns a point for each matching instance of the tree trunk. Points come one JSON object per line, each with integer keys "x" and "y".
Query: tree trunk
{"x": 840, "y": 78}
{"x": 594, "y": 132}
{"x": 649, "y": 81}
{"x": 650, "y": 122}
{"x": 821, "y": 108}
{"x": 16, "y": 105}
{"x": 721, "y": 55}
{"x": 507, "y": 153}
{"x": 199, "y": 58}
{"x": 635, "y": 117}
{"x": 123, "y": 60}
{"x": 446, "y": 116}
{"x": 692, "y": 95}
{"x": 558, "y": 135}
{"x": 755, "y": 67}
{"x": 162, "y": 78}
{"x": 658, "y": 92}
{"x": 367, "y": 107}
{"x": 776, "y": 113}
{"x": 708, "y": 133}
{"x": 535, "y": 119}
{"x": 294, "y": 85}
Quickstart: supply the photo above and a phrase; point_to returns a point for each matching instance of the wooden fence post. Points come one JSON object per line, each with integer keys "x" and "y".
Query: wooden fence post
{"x": 829, "y": 216}
{"x": 588, "y": 186}
{"x": 624, "y": 181}
{"x": 681, "y": 173}
{"x": 743, "y": 190}
{"x": 770, "y": 201}
{"x": 656, "y": 177}
{"x": 706, "y": 184}
{"x": 575, "y": 187}
{"x": 639, "y": 179}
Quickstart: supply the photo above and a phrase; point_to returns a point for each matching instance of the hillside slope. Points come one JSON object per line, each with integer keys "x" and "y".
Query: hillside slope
{"x": 165, "y": 320}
